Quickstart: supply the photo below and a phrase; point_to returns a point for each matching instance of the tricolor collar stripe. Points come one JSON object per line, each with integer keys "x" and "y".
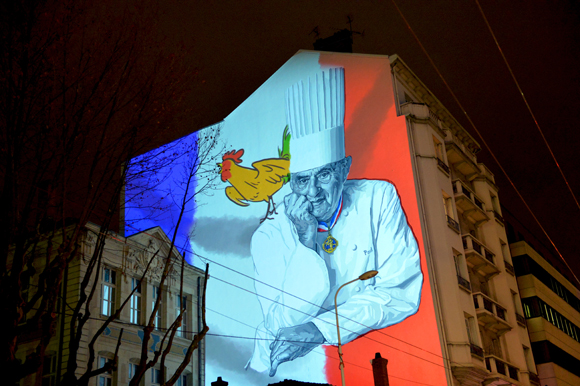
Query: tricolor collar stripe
{"x": 323, "y": 227}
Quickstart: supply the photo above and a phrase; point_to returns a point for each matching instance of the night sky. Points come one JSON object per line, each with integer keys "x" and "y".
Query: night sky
{"x": 237, "y": 45}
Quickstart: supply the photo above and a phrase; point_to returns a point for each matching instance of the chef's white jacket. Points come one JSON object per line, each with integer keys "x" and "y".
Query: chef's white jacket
{"x": 296, "y": 284}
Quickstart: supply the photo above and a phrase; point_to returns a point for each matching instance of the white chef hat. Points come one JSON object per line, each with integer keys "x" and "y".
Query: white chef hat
{"x": 315, "y": 115}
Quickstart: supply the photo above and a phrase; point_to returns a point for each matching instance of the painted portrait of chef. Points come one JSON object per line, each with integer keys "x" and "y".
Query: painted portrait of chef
{"x": 328, "y": 231}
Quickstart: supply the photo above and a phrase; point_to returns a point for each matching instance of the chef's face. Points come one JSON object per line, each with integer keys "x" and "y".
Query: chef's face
{"x": 322, "y": 187}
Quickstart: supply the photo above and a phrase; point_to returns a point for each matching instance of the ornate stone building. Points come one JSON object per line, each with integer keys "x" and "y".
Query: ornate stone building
{"x": 482, "y": 330}
{"x": 122, "y": 265}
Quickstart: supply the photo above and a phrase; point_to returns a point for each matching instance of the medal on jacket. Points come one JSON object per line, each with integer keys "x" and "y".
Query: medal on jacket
{"x": 330, "y": 244}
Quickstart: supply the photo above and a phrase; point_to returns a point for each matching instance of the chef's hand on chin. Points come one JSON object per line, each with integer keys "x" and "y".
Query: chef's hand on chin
{"x": 293, "y": 342}
{"x": 299, "y": 211}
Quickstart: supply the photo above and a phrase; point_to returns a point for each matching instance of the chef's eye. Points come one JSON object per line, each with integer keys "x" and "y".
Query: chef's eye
{"x": 302, "y": 182}
{"x": 324, "y": 176}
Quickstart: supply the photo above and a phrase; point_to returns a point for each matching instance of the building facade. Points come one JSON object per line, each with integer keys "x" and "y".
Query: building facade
{"x": 122, "y": 266}
{"x": 551, "y": 306}
{"x": 483, "y": 332}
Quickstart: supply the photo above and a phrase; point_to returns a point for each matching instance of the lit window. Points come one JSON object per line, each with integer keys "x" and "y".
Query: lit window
{"x": 49, "y": 371}
{"x": 105, "y": 379}
{"x": 181, "y": 306}
{"x": 135, "y": 311}
{"x": 108, "y": 287}
{"x": 157, "y": 319}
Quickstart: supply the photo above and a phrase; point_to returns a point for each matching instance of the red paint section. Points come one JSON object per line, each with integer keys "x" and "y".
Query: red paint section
{"x": 236, "y": 156}
{"x": 226, "y": 174}
{"x": 377, "y": 141}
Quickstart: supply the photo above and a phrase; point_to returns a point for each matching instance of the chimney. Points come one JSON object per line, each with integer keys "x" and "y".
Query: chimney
{"x": 219, "y": 382}
{"x": 380, "y": 373}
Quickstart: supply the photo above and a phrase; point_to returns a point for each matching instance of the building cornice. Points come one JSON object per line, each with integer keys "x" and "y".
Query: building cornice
{"x": 406, "y": 76}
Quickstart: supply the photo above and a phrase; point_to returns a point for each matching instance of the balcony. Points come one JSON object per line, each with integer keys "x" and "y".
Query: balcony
{"x": 479, "y": 257}
{"x": 460, "y": 156}
{"x": 501, "y": 371}
{"x": 469, "y": 204}
{"x": 453, "y": 224}
{"x": 490, "y": 313}
{"x": 464, "y": 283}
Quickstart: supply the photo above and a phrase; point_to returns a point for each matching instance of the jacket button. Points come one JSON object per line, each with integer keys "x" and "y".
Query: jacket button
{"x": 357, "y": 289}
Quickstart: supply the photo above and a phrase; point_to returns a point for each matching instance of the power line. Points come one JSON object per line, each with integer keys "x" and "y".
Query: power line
{"x": 117, "y": 321}
{"x": 316, "y": 305}
{"x": 365, "y": 336}
{"x": 527, "y": 104}
{"x": 481, "y": 137}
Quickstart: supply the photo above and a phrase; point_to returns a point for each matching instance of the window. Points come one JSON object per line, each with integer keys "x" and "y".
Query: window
{"x": 135, "y": 311}
{"x": 181, "y": 306}
{"x": 132, "y": 370}
{"x": 49, "y": 371}
{"x": 155, "y": 377}
{"x": 156, "y": 294}
{"x": 105, "y": 379}
{"x": 108, "y": 287}
{"x": 470, "y": 329}
{"x": 448, "y": 205}
{"x": 494, "y": 203}
{"x": 438, "y": 149}
{"x": 182, "y": 380}
{"x": 449, "y": 214}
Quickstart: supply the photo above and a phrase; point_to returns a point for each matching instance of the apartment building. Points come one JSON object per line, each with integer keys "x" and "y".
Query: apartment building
{"x": 483, "y": 333}
{"x": 551, "y": 307}
{"x": 122, "y": 265}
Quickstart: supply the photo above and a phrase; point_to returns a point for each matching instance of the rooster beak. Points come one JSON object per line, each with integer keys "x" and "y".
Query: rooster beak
{"x": 219, "y": 166}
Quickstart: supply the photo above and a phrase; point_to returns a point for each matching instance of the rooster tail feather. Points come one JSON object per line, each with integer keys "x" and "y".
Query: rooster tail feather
{"x": 285, "y": 152}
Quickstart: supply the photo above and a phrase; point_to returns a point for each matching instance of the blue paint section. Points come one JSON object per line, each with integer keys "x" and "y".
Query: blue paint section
{"x": 156, "y": 188}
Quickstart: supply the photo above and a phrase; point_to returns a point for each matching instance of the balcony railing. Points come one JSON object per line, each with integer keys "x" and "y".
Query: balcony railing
{"x": 443, "y": 165}
{"x": 476, "y": 350}
{"x": 453, "y": 224}
{"x": 509, "y": 268}
{"x": 534, "y": 378}
{"x": 498, "y": 216}
{"x": 520, "y": 319}
{"x": 469, "y": 203}
{"x": 490, "y": 313}
{"x": 479, "y": 257}
{"x": 497, "y": 366}
{"x": 464, "y": 282}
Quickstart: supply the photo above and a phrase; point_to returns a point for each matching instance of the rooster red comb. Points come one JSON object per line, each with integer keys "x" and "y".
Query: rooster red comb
{"x": 234, "y": 155}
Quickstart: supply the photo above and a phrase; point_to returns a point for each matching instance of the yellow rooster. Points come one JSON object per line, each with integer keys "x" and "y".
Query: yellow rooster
{"x": 261, "y": 181}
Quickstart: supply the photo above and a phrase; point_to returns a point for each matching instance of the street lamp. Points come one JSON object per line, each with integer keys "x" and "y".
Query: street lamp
{"x": 365, "y": 276}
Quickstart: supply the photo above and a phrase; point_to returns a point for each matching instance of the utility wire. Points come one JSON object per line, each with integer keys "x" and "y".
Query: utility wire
{"x": 526, "y": 103}
{"x": 482, "y": 139}
{"x": 284, "y": 305}
{"x": 308, "y": 302}
{"x": 117, "y": 321}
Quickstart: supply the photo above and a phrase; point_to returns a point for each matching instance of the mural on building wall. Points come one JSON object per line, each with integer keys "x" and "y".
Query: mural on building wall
{"x": 337, "y": 201}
